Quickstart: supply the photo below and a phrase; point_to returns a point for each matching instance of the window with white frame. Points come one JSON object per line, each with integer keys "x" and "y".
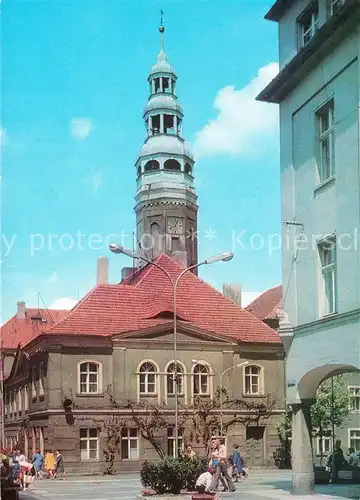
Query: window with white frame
{"x": 20, "y": 393}
{"x": 327, "y": 295}
{"x": 308, "y": 24}
{"x": 252, "y": 380}
{"x": 26, "y": 396}
{"x": 16, "y": 392}
{"x": 354, "y": 439}
{"x": 33, "y": 384}
{"x": 326, "y": 141}
{"x": 354, "y": 398}
{"x": 42, "y": 381}
{"x": 89, "y": 377}
{"x": 171, "y": 449}
{"x": 129, "y": 444}
{"x": 89, "y": 444}
{"x": 335, "y": 6}
{"x": 325, "y": 444}
{"x": 201, "y": 380}
{"x": 171, "y": 379}
{"x": 147, "y": 378}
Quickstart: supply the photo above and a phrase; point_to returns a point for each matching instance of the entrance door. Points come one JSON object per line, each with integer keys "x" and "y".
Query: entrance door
{"x": 254, "y": 446}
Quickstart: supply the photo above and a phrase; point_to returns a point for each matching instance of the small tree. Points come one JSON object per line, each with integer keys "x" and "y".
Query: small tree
{"x": 149, "y": 420}
{"x": 282, "y": 455}
{"x": 330, "y": 409}
{"x": 204, "y": 415}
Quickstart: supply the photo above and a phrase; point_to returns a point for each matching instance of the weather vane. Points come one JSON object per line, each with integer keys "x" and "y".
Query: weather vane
{"x": 161, "y": 29}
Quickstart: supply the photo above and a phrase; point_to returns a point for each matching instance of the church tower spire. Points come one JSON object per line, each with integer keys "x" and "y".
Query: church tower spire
{"x": 165, "y": 203}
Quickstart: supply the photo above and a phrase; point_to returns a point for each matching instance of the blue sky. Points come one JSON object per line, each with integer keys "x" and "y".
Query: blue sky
{"x": 74, "y": 87}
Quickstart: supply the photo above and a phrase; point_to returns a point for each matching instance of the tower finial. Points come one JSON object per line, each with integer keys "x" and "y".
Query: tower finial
{"x": 161, "y": 29}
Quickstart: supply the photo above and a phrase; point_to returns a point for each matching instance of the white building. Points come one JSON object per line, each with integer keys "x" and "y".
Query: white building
{"x": 318, "y": 92}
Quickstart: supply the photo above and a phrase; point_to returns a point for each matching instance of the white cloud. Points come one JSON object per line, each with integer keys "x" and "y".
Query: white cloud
{"x": 248, "y": 297}
{"x": 242, "y": 123}
{"x": 63, "y": 303}
{"x": 4, "y": 138}
{"x": 81, "y": 128}
{"x": 53, "y": 278}
{"x": 97, "y": 180}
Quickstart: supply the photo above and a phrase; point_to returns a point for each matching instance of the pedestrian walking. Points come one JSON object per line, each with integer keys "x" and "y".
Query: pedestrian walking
{"x": 50, "y": 463}
{"x": 59, "y": 466}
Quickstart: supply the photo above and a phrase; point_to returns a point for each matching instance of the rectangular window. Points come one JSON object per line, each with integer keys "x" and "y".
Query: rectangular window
{"x": 89, "y": 444}
{"x": 16, "y": 399}
{"x": 308, "y": 24}
{"x": 171, "y": 451}
{"x": 326, "y": 141}
{"x": 11, "y": 401}
{"x": 327, "y": 254}
{"x": 354, "y": 439}
{"x": 129, "y": 444}
{"x": 33, "y": 384}
{"x": 42, "y": 382}
{"x": 20, "y": 401}
{"x": 326, "y": 445}
{"x": 26, "y": 396}
{"x": 335, "y": 6}
{"x": 354, "y": 398}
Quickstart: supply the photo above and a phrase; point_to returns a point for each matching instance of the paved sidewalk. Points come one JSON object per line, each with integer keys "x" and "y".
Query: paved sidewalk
{"x": 261, "y": 485}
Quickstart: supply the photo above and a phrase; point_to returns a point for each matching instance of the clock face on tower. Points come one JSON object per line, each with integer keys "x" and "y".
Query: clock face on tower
{"x": 175, "y": 225}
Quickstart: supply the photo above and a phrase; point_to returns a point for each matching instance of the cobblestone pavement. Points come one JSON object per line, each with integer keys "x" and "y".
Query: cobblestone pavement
{"x": 266, "y": 485}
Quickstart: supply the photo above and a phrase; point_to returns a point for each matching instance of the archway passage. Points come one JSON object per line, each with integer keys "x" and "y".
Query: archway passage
{"x": 173, "y": 165}
{"x": 302, "y": 452}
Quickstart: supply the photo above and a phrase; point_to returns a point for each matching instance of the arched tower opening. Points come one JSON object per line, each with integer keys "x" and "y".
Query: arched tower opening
{"x": 188, "y": 169}
{"x": 172, "y": 165}
{"x": 151, "y": 165}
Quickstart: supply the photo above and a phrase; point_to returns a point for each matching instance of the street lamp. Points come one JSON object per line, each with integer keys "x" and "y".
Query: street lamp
{"x": 221, "y": 376}
{"x": 225, "y": 257}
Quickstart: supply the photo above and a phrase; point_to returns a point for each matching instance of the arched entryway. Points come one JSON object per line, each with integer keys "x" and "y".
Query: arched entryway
{"x": 302, "y": 452}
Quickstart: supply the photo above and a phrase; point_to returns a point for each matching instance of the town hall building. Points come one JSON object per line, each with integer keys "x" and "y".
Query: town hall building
{"x": 70, "y": 376}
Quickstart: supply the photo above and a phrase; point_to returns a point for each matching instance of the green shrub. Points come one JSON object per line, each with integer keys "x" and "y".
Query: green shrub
{"x": 171, "y": 475}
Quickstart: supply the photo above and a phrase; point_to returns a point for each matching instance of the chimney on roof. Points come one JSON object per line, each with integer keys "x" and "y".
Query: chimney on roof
{"x": 21, "y": 310}
{"x": 102, "y": 271}
{"x": 233, "y": 292}
{"x": 126, "y": 271}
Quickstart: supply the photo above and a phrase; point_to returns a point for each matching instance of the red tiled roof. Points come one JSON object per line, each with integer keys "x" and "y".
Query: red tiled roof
{"x": 268, "y": 304}
{"x": 16, "y": 331}
{"x": 138, "y": 301}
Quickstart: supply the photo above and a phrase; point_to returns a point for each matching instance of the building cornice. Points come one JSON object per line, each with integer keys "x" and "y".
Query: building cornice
{"x": 328, "y": 36}
{"x": 330, "y": 321}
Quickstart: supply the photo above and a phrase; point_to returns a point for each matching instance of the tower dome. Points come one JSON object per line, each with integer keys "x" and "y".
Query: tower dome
{"x": 165, "y": 201}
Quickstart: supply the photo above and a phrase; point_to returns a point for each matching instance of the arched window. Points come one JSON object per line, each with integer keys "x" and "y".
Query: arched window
{"x": 201, "y": 375}
{"x": 138, "y": 171}
{"x": 89, "y": 377}
{"x": 252, "y": 382}
{"x": 171, "y": 379}
{"x": 147, "y": 378}
{"x": 173, "y": 165}
{"x": 151, "y": 165}
{"x": 188, "y": 169}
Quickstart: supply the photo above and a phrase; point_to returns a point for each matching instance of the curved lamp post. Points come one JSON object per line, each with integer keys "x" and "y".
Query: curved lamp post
{"x": 221, "y": 376}
{"x": 119, "y": 249}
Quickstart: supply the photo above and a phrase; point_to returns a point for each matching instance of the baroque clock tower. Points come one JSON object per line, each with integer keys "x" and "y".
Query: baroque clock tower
{"x": 165, "y": 203}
